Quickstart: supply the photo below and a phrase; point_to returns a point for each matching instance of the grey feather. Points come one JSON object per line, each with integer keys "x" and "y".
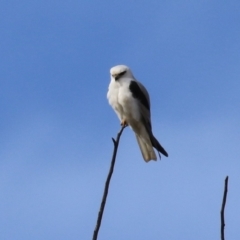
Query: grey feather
{"x": 146, "y": 149}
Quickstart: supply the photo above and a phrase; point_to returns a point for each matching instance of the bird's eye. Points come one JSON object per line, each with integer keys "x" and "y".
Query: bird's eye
{"x": 117, "y": 76}
{"x": 121, "y": 74}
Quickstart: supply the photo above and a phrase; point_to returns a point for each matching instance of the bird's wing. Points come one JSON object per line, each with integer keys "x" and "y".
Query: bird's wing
{"x": 140, "y": 93}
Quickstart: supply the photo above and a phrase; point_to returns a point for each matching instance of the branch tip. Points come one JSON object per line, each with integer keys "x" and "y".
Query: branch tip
{"x": 114, "y": 141}
{"x": 105, "y": 193}
{"x": 223, "y": 208}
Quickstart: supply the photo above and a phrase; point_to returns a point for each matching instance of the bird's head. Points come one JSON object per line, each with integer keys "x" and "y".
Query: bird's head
{"x": 120, "y": 71}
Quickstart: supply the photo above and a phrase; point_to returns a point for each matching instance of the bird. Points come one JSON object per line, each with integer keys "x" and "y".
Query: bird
{"x": 131, "y": 102}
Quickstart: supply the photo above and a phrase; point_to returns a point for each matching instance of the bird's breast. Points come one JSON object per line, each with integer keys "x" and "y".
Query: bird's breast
{"x": 129, "y": 104}
{"x": 112, "y": 94}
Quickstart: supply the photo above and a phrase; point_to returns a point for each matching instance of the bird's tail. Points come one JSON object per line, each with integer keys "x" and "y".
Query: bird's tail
{"x": 146, "y": 149}
{"x": 158, "y": 146}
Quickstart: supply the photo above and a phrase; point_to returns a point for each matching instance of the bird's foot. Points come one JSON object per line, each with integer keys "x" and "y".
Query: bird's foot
{"x": 124, "y": 123}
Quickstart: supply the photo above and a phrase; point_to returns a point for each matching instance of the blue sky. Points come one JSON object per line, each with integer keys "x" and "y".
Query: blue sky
{"x": 56, "y": 124}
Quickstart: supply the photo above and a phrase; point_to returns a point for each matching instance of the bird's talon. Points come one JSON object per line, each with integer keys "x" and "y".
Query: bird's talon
{"x": 124, "y": 123}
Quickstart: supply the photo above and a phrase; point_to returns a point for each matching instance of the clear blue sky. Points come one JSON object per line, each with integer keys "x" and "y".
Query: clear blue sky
{"x": 56, "y": 124}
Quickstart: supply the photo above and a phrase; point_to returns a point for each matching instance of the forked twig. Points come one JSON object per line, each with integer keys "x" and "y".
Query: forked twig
{"x": 223, "y": 207}
{"x": 105, "y": 193}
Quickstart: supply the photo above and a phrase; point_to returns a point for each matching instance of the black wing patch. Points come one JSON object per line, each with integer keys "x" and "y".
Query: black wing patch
{"x": 138, "y": 94}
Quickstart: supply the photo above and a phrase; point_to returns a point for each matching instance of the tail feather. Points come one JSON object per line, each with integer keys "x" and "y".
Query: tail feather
{"x": 146, "y": 149}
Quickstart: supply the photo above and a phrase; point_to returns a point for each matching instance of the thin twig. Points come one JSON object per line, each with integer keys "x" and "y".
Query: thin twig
{"x": 223, "y": 207}
{"x": 105, "y": 193}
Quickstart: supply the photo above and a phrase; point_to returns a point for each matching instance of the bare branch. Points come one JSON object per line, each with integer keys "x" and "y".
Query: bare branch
{"x": 105, "y": 193}
{"x": 223, "y": 207}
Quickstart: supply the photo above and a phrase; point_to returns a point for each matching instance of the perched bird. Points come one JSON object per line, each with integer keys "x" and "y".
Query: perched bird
{"x": 130, "y": 100}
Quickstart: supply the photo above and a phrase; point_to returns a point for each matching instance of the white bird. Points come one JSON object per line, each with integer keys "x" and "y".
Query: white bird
{"x": 130, "y": 100}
